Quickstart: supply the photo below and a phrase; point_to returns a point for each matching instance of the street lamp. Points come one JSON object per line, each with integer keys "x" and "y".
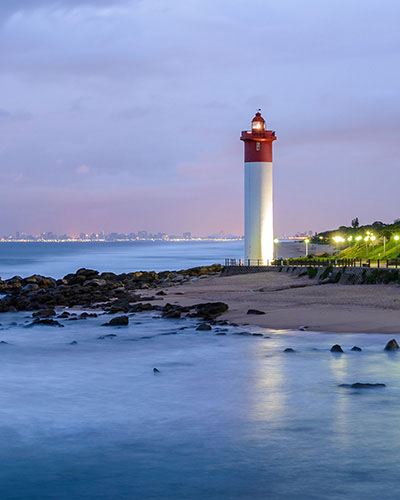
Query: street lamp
{"x": 366, "y": 239}
{"x": 396, "y": 239}
{"x": 307, "y": 241}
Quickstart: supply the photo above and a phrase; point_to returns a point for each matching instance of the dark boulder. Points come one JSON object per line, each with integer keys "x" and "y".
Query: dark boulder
{"x": 109, "y": 336}
{"x": 161, "y": 292}
{"x": 210, "y": 310}
{"x": 156, "y": 370}
{"x": 204, "y": 327}
{"x": 289, "y": 349}
{"x": 45, "y": 322}
{"x": 172, "y": 314}
{"x": 392, "y": 345}
{"x": 74, "y": 342}
{"x": 255, "y": 311}
{"x": 359, "y": 385}
{"x": 356, "y": 348}
{"x": 44, "y": 313}
{"x": 336, "y": 348}
{"x": 118, "y": 321}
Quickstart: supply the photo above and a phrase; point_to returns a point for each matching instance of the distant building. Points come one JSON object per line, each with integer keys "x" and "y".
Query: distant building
{"x": 187, "y": 235}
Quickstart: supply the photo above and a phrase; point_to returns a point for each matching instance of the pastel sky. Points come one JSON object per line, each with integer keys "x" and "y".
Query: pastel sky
{"x": 121, "y": 115}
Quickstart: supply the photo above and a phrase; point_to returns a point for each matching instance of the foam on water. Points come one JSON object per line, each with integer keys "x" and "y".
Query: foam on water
{"x": 227, "y": 416}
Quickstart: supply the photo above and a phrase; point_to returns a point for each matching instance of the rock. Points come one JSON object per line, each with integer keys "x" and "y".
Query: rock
{"x": 255, "y": 311}
{"x": 118, "y": 321}
{"x": 63, "y": 315}
{"x": 142, "y": 307}
{"x": 156, "y": 370}
{"x": 85, "y": 315}
{"x": 257, "y": 335}
{"x": 109, "y": 336}
{"x": 359, "y": 385}
{"x": 336, "y": 348}
{"x": 172, "y": 314}
{"x": 210, "y": 310}
{"x": 204, "y": 327}
{"x": 96, "y": 282}
{"x": 30, "y": 287}
{"x": 356, "y": 348}
{"x": 3, "y": 342}
{"x": 161, "y": 292}
{"x": 289, "y": 349}
{"x": 392, "y": 345}
{"x": 46, "y": 322}
{"x": 74, "y": 342}
{"x": 44, "y": 313}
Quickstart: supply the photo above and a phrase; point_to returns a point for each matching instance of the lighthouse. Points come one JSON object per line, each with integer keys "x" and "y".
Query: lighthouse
{"x": 258, "y": 192}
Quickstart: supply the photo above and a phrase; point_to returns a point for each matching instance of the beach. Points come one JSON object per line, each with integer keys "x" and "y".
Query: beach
{"x": 290, "y": 302}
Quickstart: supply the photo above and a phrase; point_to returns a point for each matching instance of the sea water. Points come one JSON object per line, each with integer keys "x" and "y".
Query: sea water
{"x": 58, "y": 259}
{"x": 226, "y": 417}
{"x": 229, "y": 416}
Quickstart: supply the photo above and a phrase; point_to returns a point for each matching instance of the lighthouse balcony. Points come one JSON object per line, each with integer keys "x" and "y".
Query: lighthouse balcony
{"x": 264, "y": 135}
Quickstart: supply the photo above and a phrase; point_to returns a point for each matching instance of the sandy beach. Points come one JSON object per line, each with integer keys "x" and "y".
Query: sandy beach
{"x": 290, "y": 302}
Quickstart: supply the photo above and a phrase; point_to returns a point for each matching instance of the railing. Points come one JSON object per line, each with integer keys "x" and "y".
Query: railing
{"x": 380, "y": 264}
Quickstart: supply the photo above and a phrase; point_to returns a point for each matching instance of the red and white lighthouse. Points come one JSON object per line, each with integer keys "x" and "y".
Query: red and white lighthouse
{"x": 258, "y": 191}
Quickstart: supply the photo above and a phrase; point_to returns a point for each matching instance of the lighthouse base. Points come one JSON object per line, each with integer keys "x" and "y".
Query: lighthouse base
{"x": 258, "y": 209}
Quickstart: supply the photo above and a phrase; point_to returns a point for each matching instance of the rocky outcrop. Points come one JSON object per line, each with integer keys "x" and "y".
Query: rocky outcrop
{"x": 255, "y": 311}
{"x": 392, "y": 345}
{"x": 87, "y": 288}
{"x": 336, "y": 348}
{"x": 360, "y": 385}
{"x": 118, "y": 321}
{"x": 204, "y": 327}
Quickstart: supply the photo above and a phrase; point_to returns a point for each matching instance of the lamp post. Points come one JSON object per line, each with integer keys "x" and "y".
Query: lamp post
{"x": 366, "y": 239}
{"x": 396, "y": 239}
{"x": 307, "y": 241}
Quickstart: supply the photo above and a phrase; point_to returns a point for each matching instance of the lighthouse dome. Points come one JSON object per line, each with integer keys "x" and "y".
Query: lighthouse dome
{"x": 258, "y": 122}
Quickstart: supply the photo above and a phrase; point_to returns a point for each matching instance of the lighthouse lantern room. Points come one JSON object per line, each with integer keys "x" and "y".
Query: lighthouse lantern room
{"x": 258, "y": 192}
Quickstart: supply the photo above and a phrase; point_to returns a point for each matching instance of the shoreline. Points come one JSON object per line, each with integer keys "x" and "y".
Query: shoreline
{"x": 291, "y": 302}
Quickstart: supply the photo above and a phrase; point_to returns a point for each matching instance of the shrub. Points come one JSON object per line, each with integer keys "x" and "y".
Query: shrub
{"x": 312, "y": 272}
{"x": 326, "y": 272}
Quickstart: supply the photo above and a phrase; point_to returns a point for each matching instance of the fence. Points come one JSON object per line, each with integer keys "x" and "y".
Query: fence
{"x": 384, "y": 264}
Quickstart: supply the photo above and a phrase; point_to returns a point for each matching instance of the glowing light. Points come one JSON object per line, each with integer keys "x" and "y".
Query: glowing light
{"x": 276, "y": 240}
{"x": 397, "y": 237}
{"x": 373, "y": 238}
{"x": 350, "y": 238}
{"x": 257, "y": 125}
{"x": 358, "y": 238}
{"x": 366, "y": 238}
{"x": 338, "y": 239}
{"x": 306, "y": 241}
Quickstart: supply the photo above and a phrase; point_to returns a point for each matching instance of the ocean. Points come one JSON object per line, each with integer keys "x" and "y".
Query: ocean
{"x": 226, "y": 417}
{"x": 58, "y": 259}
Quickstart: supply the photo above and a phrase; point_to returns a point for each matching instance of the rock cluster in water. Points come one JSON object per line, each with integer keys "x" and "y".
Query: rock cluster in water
{"x": 88, "y": 288}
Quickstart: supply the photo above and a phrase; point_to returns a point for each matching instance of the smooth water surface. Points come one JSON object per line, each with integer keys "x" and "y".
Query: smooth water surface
{"x": 59, "y": 259}
{"x": 227, "y": 417}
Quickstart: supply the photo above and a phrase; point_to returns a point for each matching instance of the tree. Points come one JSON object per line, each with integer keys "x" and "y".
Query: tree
{"x": 355, "y": 223}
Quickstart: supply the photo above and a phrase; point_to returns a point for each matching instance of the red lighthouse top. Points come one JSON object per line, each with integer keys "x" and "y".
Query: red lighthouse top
{"x": 258, "y": 141}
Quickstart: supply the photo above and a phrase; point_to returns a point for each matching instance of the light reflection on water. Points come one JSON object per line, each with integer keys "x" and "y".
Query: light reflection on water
{"x": 227, "y": 417}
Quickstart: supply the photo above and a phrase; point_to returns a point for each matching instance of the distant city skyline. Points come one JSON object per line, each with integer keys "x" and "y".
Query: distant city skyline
{"x": 136, "y": 114}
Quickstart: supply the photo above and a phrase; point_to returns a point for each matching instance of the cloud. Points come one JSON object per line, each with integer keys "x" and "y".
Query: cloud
{"x": 83, "y": 170}
{"x": 7, "y": 116}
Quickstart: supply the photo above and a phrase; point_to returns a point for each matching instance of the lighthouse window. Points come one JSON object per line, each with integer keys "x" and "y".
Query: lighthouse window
{"x": 258, "y": 146}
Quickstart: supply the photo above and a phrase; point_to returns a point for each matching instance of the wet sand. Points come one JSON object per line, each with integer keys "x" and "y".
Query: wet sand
{"x": 290, "y": 302}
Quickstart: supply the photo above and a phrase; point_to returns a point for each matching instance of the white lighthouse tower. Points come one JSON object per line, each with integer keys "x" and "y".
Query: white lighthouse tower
{"x": 258, "y": 196}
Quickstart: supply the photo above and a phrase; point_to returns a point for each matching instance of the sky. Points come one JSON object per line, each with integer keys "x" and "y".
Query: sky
{"x": 122, "y": 115}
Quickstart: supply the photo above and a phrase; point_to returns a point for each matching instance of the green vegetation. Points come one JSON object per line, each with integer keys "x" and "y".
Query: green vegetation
{"x": 374, "y": 241}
